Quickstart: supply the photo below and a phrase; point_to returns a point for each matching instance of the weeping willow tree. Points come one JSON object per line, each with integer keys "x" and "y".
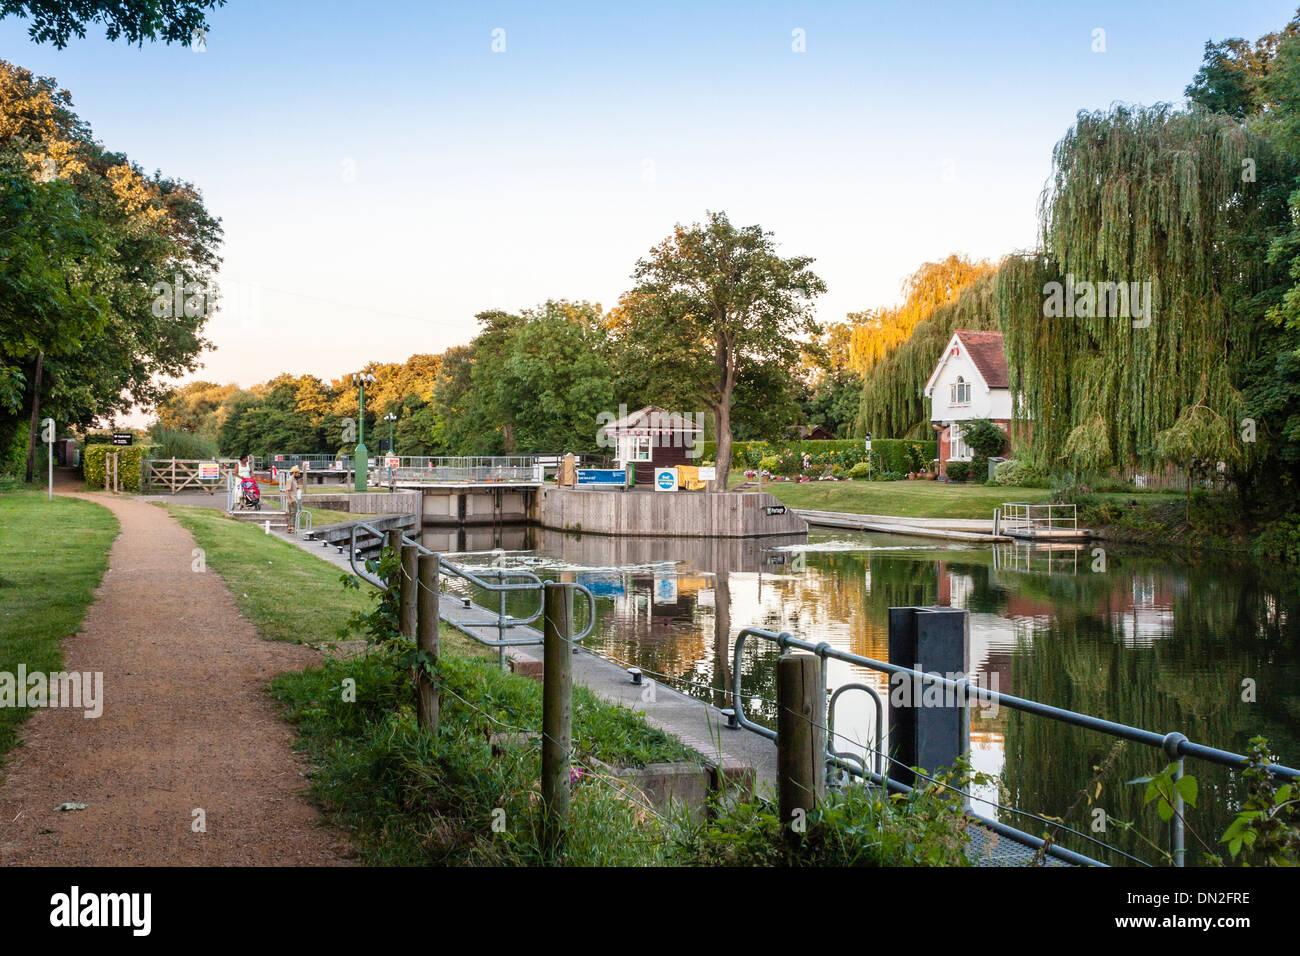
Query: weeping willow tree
{"x": 1147, "y": 295}
{"x": 893, "y": 404}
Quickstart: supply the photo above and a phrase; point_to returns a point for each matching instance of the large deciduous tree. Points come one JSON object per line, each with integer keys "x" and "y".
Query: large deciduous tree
{"x": 86, "y": 238}
{"x": 57, "y": 21}
{"x": 715, "y": 303}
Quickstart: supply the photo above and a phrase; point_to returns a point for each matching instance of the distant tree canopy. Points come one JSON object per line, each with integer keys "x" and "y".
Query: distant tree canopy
{"x": 57, "y": 21}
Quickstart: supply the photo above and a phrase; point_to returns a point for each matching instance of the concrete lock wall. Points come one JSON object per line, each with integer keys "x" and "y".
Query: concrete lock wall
{"x": 666, "y": 514}
{"x": 486, "y": 504}
{"x": 369, "y": 503}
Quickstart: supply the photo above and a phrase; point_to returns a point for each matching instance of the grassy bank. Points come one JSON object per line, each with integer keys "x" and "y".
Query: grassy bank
{"x": 288, "y": 594}
{"x": 907, "y": 499}
{"x": 52, "y": 557}
{"x": 408, "y": 797}
{"x": 937, "y": 499}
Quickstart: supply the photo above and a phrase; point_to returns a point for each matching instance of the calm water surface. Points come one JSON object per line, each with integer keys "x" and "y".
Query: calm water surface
{"x": 1151, "y": 640}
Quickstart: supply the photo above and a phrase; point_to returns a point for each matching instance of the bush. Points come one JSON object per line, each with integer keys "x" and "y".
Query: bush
{"x": 959, "y": 470}
{"x": 1279, "y": 541}
{"x": 853, "y": 827}
{"x": 860, "y": 470}
{"x": 130, "y": 463}
{"x": 979, "y": 470}
{"x": 1020, "y": 473}
{"x": 983, "y": 438}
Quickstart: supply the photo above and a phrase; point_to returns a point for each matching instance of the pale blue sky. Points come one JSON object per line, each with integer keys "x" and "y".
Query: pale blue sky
{"x": 383, "y": 175}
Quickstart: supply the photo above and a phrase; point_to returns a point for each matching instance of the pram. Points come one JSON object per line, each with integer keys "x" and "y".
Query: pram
{"x": 250, "y": 495}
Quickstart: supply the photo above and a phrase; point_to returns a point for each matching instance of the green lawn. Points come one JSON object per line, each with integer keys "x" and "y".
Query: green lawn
{"x": 288, "y": 594}
{"x": 908, "y": 499}
{"x": 52, "y": 557}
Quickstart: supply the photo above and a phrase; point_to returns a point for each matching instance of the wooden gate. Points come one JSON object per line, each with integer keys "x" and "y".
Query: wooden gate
{"x": 177, "y": 474}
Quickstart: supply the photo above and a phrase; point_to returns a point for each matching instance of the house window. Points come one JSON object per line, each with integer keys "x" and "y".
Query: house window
{"x": 958, "y": 450}
{"x": 639, "y": 448}
{"x": 960, "y": 392}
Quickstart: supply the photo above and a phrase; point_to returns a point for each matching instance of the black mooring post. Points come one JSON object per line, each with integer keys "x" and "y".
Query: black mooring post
{"x": 927, "y": 726}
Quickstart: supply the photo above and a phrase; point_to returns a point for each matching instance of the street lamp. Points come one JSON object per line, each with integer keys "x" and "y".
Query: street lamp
{"x": 359, "y": 457}
{"x": 390, "y": 418}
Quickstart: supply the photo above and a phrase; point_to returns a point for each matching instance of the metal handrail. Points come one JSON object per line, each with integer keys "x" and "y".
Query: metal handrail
{"x": 502, "y": 621}
{"x": 1175, "y": 746}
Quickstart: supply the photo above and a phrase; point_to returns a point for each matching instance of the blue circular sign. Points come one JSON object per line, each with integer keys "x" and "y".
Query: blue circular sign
{"x": 665, "y": 480}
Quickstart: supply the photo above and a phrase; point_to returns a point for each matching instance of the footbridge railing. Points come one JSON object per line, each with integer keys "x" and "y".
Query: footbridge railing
{"x": 1175, "y": 746}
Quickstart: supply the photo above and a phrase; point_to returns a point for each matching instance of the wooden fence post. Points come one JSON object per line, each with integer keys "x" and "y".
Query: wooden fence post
{"x": 408, "y": 591}
{"x": 426, "y": 703}
{"x": 800, "y": 739}
{"x": 557, "y": 711}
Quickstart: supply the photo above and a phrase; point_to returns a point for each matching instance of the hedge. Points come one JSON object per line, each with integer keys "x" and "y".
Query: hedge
{"x": 887, "y": 454}
{"x": 130, "y": 464}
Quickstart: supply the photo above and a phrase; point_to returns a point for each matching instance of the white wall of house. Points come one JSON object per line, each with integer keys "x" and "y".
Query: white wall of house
{"x": 983, "y": 402}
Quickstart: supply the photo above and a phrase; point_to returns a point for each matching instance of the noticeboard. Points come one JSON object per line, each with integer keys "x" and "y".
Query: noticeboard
{"x": 602, "y": 476}
{"x": 665, "y": 479}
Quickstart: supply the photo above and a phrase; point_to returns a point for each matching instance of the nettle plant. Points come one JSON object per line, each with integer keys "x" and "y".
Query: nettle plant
{"x": 1267, "y": 825}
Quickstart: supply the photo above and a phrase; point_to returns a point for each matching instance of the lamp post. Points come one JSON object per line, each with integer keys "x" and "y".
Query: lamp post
{"x": 359, "y": 457}
{"x": 390, "y": 418}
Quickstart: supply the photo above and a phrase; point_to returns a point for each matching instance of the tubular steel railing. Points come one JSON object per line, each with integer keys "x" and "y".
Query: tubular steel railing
{"x": 1023, "y": 516}
{"x": 500, "y": 620}
{"x": 485, "y": 469}
{"x": 1174, "y": 745}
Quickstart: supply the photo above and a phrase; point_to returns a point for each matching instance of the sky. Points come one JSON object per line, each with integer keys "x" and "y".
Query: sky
{"x": 384, "y": 170}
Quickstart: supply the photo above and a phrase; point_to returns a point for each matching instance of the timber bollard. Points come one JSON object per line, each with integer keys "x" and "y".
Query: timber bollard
{"x": 557, "y": 711}
{"x": 800, "y": 739}
{"x": 928, "y": 724}
{"x": 393, "y": 543}
{"x": 427, "y": 615}
{"x": 409, "y": 591}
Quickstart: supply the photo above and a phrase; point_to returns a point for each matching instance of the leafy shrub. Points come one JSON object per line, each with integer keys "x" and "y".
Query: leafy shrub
{"x": 959, "y": 470}
{"x": 860, "y": 470}
{"x": 768, "y": 463}
{"x": 853, "y": 827}
{"x": 130, "y": 461}
{"x": 1279, "y": 542}
{"x": 983, "y": 438}
{"x": 1019, "y": 473}
{"x": 979, "y": 469}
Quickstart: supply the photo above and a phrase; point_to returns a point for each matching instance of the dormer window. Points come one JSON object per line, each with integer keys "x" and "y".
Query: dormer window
{"x": 960, "y": 392}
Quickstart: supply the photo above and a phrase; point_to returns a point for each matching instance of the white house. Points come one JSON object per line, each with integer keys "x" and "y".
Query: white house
{"x": 969, "y": 382}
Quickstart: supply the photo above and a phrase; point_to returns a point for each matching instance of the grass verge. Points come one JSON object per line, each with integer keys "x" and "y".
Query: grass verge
{"x": 52, "y": 557}
{"x": 287, "y": 593}
{"x": 468, "y": 795}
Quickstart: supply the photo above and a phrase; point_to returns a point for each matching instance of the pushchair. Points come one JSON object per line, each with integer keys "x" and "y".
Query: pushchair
{"x": 250, "y": 495}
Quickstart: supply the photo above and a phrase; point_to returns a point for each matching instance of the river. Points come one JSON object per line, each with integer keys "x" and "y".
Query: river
{"x": 1204, "y": 647}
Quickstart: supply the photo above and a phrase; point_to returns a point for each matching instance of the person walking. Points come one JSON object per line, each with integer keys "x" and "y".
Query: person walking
{"x": 292, "y": 488}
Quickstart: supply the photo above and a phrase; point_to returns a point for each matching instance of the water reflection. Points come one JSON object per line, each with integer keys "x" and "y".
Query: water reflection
{"x": 1148, "y": 640}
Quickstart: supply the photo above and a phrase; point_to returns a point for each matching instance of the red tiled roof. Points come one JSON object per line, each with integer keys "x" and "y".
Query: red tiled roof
{"x": 985, "y": 350}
